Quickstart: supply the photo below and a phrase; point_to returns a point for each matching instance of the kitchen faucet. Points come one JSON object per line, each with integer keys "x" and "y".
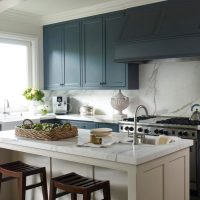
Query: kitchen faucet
{"x": 6, "y": 107}
{"x": 135, "y": 134}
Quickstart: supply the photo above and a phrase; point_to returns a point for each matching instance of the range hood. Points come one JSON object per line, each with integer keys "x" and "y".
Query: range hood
{"x": 167, "y": 29}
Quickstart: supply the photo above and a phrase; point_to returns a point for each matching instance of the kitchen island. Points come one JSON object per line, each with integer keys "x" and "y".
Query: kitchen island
{"x": 152, "y": 170}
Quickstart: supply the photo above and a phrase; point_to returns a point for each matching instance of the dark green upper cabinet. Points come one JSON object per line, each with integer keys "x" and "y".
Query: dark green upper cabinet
{"x": 72, "y": 78}
{"x": 115, "y": 73}
{"x": 92, "y": 41}
{"x": 53, "y": 57}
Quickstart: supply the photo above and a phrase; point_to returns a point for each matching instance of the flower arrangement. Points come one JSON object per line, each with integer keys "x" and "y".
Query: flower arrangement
{"x": 33, "y": 94}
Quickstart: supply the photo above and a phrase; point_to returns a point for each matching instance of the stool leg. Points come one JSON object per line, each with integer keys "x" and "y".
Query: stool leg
{"x": 73, "y": 196}
{"x": 106, "y": 191}
{"x": 86, "y": 196}
{"x": 22, "y": 187}
{"x": 0, "y": 180}
{"x": 52, "y": 195}
{"x": 44, "y": 184}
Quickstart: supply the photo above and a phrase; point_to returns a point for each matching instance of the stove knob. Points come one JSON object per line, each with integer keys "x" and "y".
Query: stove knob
{"x": 185, "y": 133}
{"x": 165, "y": 132}
{"x": 161, "y": 131}
{"x": 140, "y": 129}
{"x": 126, "y": 128}
{"x": 180, "y": 133}
{"x": 131, "y": 129}
{"x": 146, "y": 131}
{"x": 156, "y": 131}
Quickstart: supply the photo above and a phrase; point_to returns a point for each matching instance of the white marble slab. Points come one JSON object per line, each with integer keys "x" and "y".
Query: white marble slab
{"x": 92, "y": 118}
{"x": 121, "y": 153}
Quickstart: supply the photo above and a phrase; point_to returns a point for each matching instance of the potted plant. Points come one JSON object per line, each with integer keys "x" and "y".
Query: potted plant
{"x": 35, "y": 96}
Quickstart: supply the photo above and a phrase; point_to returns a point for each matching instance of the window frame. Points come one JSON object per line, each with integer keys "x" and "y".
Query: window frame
{"x": 32, "y": 43}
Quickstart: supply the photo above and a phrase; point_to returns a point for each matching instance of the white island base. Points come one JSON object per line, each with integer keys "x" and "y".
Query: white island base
{"x": 147, "y": 172}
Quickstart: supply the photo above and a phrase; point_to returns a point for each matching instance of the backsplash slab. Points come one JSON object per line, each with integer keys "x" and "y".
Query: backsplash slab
{"x": 167, "y": 87}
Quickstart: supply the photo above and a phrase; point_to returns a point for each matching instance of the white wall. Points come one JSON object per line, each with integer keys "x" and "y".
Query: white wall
{"x": 168, "y": 87}
{"x": 28, "y": 25}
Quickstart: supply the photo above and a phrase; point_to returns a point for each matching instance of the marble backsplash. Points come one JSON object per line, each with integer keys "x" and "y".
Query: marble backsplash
{"x": 167, "y": 87}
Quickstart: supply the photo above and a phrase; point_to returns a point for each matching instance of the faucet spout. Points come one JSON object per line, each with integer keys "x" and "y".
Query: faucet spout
{"x": 6, "y": 107}
{"x": 135, "y": 134}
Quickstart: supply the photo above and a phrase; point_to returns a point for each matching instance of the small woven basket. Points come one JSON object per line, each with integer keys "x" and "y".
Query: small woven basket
{"x": 55, "y": 134}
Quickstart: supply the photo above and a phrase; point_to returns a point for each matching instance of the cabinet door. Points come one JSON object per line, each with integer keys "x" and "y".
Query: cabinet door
{"x": 72, "y": 55}
{"x": 115, "y": 73}
{"x": 53, "y": 57}
{"x": 92, "y": 52}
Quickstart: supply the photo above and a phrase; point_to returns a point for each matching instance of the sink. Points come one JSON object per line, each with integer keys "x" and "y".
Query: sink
{"x": 160, "y": 140}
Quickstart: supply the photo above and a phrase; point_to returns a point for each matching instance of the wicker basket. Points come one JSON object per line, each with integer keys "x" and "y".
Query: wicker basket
{"x": 55, "y": 134}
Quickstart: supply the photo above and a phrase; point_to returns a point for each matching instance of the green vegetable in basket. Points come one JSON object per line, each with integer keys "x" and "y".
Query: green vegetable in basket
{"x": 67, "y": 126}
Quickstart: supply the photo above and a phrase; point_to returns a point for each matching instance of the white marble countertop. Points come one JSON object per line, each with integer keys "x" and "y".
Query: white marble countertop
{"x": 119, "y": 152}
{"x": 93, "y": 118}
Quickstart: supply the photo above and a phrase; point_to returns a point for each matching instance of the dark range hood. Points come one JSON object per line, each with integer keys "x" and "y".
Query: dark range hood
{"x": 168, "y": 29}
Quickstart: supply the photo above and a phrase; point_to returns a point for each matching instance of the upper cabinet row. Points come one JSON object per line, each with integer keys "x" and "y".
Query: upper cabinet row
{"x": 80, "y": 54}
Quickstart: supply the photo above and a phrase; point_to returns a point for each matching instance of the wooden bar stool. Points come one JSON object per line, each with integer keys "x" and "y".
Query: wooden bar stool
{"x": 19, "y": 170}
{"x": 74, "y": 184}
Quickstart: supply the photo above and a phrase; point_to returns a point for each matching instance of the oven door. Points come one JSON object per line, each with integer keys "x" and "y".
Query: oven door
{"x": 193, "y": 166}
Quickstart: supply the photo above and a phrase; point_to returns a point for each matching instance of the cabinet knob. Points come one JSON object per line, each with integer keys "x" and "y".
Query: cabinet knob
{"x": 61, "y": 84}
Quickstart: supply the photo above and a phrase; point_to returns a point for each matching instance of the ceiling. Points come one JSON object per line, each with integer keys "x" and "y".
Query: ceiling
{"x": 53, "y": 11}
{"x": 50, "y": 7}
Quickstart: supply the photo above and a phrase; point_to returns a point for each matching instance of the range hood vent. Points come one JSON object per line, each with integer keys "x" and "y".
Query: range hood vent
{"x": 169, "y": 29}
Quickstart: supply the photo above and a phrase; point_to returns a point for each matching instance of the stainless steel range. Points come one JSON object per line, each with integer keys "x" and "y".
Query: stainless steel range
{"x": 172, "y": 126}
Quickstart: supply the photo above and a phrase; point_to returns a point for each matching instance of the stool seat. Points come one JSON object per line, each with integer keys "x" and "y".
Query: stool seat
{"x": 74, "y": 184}
{"x": 19, "y": 170}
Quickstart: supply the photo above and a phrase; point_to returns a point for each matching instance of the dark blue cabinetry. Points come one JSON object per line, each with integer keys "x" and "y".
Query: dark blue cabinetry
{"x": 62, "y": 67}
{"x": 80, "y": 54}
{"x": 72, "y": 70}
{"x": 115, "y": 73}
{"x": 92, "y": 32}
{"x": 53, "y": 57}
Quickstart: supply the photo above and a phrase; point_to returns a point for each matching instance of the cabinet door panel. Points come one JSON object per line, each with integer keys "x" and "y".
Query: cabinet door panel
{"x": 115, "y": 73}
{"x": 72, "y": 55}
{"x": 53, "y": 57}
{"x": 92, "y": 52}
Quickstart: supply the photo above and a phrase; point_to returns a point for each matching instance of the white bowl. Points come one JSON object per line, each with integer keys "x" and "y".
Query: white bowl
{"x": 101, "y": 132}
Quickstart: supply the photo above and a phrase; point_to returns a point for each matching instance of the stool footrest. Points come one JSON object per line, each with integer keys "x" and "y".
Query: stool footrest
{"x": 28, "y": 187}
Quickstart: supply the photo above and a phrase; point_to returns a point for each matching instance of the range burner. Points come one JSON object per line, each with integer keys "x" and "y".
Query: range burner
{"x": 142, "y": 117}
{"x": 179, "y": 121}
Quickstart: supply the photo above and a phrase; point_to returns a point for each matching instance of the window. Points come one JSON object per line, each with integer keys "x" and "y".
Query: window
{"x": 16, "y": 71}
